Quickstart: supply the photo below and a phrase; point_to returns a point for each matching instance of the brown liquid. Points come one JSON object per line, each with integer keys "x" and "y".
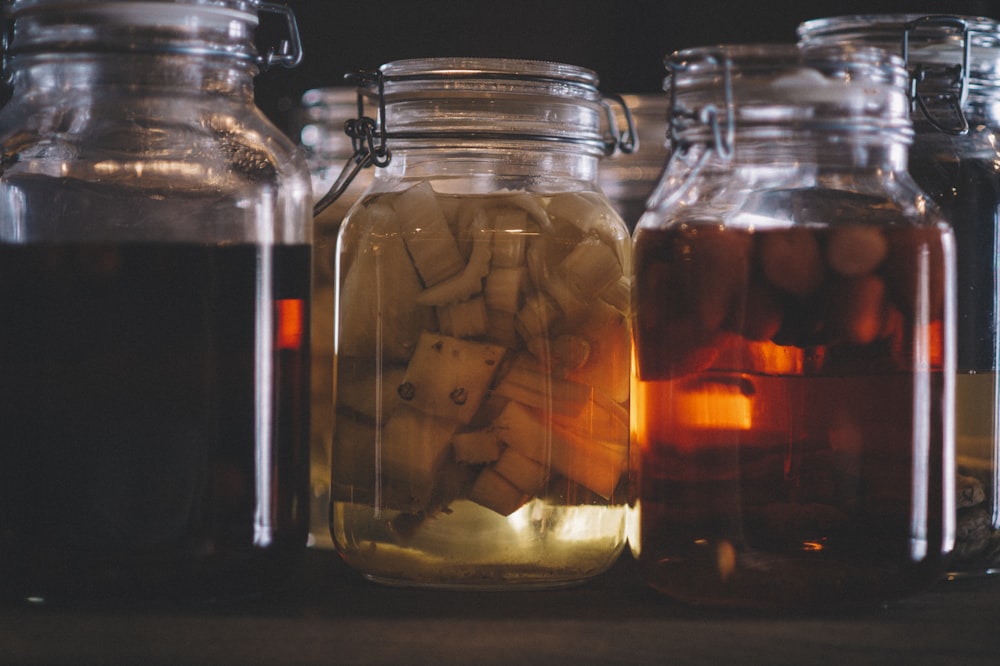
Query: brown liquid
{"x": 791, "y": 445}
{"x": 154, "y": 406}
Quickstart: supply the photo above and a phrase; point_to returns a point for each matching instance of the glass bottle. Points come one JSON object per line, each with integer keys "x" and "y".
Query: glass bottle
{"x": 793, "y": 333}
{"x": 482, "y": 334}
{"x": 955, "y": 68}
{"x": 629, "y": 177}
{"x": 319, "y": 128}
{"x": 154, "y": 284}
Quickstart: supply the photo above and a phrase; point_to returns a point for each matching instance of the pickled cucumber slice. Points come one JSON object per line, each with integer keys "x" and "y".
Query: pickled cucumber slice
{"x": 464, "y": 319}
{"x": 497, "y": 493}
{"x": 379, "y": 294}
{"x": 448, "y": 377}
{"x": 426, "y": 233}
{"x": 528, "y": 475}
{"x": 529, "y": 382}
{"x": 590, "y": 462}
{"x": 476, "y": 447}
{"x": 362, "y": 388}
{"x": 591, "y": 267}
{"x": 503, "y": 288}
{"x": 469, "y": 281}
{"x": 413, "y": 450}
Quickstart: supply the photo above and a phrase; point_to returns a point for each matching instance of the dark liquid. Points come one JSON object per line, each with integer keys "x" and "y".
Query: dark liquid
{"x": 968, "y": 191}
{"x": 798, "y": 461}
{"x": 153, "y": 404}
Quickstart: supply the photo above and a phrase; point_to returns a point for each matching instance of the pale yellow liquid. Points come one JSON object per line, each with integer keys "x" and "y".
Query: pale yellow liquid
{"x": 976, "y": 447}
{"x": 539, "y": 545}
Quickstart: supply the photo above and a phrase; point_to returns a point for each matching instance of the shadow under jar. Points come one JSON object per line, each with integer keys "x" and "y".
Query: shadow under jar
{"x": 794, "y": 293}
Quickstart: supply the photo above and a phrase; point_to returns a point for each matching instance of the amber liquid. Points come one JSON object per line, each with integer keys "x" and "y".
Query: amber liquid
{"x": 154, "y": 410}
{"x": 800, "y": 468}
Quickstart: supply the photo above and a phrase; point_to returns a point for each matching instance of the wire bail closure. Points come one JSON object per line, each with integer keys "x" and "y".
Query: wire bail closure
{"x": 369, "y": 136}
{"x": 720, "y": 124}
{"x": 722, "y": 129}
{"x": 368, "y": 139}
{"x": 288, "y": 52}
{"x": 960, "y": 73}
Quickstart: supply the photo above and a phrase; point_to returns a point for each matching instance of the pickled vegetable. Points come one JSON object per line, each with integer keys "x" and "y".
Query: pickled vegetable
{"x": 483, "y": 356}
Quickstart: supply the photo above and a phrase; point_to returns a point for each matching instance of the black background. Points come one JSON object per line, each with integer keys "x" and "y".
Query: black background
{"x": 624, "y": 41}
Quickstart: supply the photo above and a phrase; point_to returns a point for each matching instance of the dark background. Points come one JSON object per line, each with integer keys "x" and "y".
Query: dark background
{"x": 624, "y": 41}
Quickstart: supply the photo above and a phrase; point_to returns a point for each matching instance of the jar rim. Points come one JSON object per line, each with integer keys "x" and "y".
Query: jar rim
{"x": 833, "y": 88}
{"x": 471, "y": 68}
{"x": 490, "y": 101}
{"x": 986, "y": 30}
{"x": 148, "y": 11}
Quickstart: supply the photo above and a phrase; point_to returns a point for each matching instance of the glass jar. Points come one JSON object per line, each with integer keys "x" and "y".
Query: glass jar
{"x": 154, "y": 280}
{"x": 629, "y": 177}
{"x": 793, "y": 324}
{"x": 319, "y": 128}
{"x": 955, "y": 68}
{"x": 482, "y": 334}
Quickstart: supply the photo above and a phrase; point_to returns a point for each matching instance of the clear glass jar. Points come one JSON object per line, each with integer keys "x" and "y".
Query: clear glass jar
{"x": 628, "y": 178}
{"x": 154, "y": 280}
{"x": 793, "y": 326}
{"x": 955, "y": 158}
{"x": 319, "y": 127}
{"x": 482, "y": 349}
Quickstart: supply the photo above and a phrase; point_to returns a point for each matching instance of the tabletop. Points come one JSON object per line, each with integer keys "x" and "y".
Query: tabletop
{"x": 333, "y": 616}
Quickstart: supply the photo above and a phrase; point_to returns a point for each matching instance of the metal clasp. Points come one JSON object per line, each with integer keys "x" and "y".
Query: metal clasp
{"x": 960, "y": 72}
{"x": 368, "y": 139}
{"x": 288, "y": 52}
{"x": 721, "y": 125}
{"x": 723, "y": 130}
{"x": 627, "y": 141}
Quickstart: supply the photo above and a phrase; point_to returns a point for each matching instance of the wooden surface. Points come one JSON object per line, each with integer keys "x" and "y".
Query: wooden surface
{"x": 337, "y": 618}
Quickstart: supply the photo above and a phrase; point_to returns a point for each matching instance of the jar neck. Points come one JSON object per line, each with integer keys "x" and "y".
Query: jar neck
{"x": 200, "y": 45}
{"x": 471, "y": 168}
{"x": 785, "y": 147}
{"x": 92, "y": 75}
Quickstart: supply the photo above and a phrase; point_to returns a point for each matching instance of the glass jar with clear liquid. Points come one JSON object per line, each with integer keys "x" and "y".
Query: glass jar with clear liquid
{"x": 954, "y": 63}
{"x": 154, "y": 284}
{"x": 482, "y": 333}
{"x": 318, "y": 126}
{"x": 793, "y": 331}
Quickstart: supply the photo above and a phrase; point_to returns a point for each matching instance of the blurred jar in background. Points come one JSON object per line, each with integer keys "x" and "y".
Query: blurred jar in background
{"x": 629, "y": 178}
{"x": 318, "y": 125}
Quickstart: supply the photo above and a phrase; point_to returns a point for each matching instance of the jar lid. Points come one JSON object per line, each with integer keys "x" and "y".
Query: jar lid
{"x": 780, "y": 88}
{"x": 196, "y": 27}
{"x": 492, "y": 99}
{"x": 931, "y": 39}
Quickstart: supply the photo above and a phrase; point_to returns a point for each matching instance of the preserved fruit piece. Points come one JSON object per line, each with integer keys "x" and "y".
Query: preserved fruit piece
{"x": 515, "y": 390}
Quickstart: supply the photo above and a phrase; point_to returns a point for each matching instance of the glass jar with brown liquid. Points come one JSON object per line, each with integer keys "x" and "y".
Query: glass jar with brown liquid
{"x": 954, "y": 64}
{"x": 154, "y": 291}
{"x": 792, "y": 393}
